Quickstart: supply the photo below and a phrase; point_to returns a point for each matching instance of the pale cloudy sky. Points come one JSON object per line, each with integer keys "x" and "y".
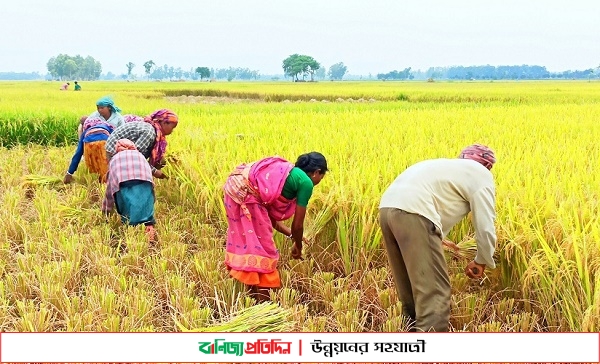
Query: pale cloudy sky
{"x": 369, "y": 36}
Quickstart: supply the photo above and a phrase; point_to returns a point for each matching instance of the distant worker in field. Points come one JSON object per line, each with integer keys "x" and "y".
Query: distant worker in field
{"x": 77, "y": 86}
{"x": 107, "y": 111}
{"x": 416, "y": 213}
{"x": 65, "y": 86}
{"x": 130, "y": 188}
{"x": 259, "y": 196}
{"x": 92, "y": 146}
{"x": 149, "y": 136}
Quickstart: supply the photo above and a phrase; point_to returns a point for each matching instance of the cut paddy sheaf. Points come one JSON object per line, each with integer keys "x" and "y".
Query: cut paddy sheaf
{"x": 65, "y": 267}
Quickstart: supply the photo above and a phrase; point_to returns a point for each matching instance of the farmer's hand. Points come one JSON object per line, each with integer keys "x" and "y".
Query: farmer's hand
{"x": 474, "y": 270}
{"x": 68, "y": 178}
{"x": 297, "y": 252}
{"x": 161, "y": 163}
{"x": 159, "y": 174}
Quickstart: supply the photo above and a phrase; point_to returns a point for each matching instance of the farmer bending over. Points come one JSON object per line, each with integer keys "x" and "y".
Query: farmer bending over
{"x": 149, "y": 137}
{"x": 418, "y": 210}
{"x": 130, "y": 188}
{"x": 259, "y": 196}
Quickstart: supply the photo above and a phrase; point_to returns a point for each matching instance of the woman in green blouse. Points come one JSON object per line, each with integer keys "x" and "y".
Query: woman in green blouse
{"x": 259, "y": 196}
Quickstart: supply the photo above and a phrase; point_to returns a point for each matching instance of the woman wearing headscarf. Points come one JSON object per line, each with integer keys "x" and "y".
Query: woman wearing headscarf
{"x": 416, "y": 213}
{"x": 259, "y": 196}
{"x": 149, "y": 137}
{"x": 91, "y": 146}
{"x": 107, "y": 111}
{"x": 130, "y": 188}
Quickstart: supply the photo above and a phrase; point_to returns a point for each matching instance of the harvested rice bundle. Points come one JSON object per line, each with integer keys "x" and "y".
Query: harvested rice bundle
{"x": 32, "y": 181}
{"x": 264, "y": 317}
{"x": 39, "y": 180}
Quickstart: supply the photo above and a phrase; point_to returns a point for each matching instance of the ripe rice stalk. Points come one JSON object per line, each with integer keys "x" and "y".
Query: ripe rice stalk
{"x": 583, "y": 250}
{"x": 591, "y": 318}
{"x": 358, "y": 237}
{"x": 324, "y": 213}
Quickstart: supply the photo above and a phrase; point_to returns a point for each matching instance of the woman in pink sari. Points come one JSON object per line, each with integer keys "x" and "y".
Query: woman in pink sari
{"x": 259, "y": 196}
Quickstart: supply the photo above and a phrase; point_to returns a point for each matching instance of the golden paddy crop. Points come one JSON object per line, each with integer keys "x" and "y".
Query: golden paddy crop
{"x": 65, "y": 267}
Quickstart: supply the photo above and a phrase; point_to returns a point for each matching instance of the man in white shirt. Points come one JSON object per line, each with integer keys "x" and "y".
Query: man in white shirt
{"x": 416, "y": 213}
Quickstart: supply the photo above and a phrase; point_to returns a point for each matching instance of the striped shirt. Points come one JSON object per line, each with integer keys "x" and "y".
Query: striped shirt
{"x": 125, "y": 166}
{"x": 141, "y": 133}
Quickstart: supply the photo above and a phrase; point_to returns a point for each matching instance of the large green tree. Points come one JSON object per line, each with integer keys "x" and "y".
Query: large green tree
{"x": 204, "y": 72}
{"x": 337, "y": 71}
{"x": 70, "y": 67}
{"x": 148, "y": 67}
{"x": 298, "y": 64}
{"x": 92, "y": 67}
{"x": 129, "y": 66}
{"x": 64, "y": 66}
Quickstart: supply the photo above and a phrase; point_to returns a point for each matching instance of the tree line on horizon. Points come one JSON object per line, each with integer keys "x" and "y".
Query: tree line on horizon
{"x": 298, "y": 67}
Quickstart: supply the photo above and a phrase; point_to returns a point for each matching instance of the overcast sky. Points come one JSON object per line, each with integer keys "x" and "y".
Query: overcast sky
{"x": 369, "y": 36}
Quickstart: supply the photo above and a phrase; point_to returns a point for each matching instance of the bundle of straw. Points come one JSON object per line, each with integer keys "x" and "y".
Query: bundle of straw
{"x": 38, "y": 180}
{"x": 264, "y": 317}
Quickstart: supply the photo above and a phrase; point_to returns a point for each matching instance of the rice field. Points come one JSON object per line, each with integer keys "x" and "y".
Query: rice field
{"x": 65, "y": 267}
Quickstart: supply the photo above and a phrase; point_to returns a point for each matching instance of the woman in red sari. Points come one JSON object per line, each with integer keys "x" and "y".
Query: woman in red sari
{"x": 259, "y": 196}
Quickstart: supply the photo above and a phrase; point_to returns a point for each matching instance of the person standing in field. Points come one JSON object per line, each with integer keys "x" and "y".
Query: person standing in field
{"x": 92, "y": 146}
{"x": 258, "y": 197}
{"x": 130, "y": 188}
{"x": 149, "y": 137}
{"x": 418, "y": 210}
{"x": 107, "y": 111}
{"x": 77, "y": 86}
